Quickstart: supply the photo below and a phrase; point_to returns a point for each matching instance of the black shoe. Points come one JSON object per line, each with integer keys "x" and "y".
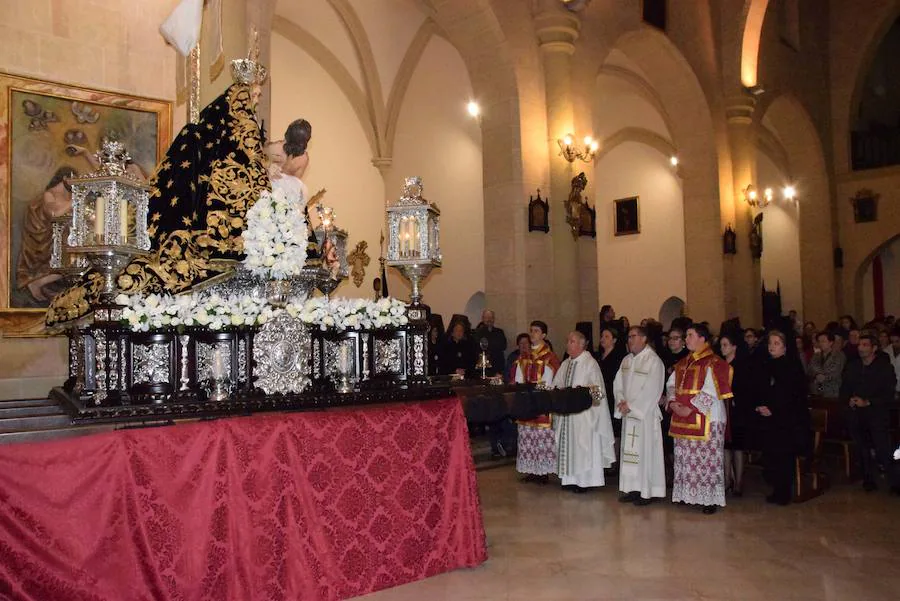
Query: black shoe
{"x": 542, "y": 479}
{"x": 869, "y": 486}
{"x": 710, "y": 509}
{"x": 629, "y": 497}
{"x": 642, "y": 502}
{"x": 578, "y": 490}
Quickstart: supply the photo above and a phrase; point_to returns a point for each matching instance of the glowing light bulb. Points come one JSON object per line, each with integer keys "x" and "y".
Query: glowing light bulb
{"x": 594, "y": 146}
{"x": 752, "y": 195}
{"x": 567, "y": 140}
{"x": 473, "y": 108}
{"x": 768, "y": 194}
{"x": 673, "y": 160}
{"x": 790, "y": 192}
{"x": 588, "y": 140}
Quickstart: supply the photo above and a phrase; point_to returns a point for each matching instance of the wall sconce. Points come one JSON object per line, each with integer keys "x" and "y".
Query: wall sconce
{"x": 752, "y": 197}
{"x": 570, "y": 152}
{"x": 473, "y": 109}
{"x": 790, "y": 193}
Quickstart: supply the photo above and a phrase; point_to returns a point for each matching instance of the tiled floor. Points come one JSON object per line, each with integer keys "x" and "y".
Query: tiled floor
{"x": 548, "y": 544}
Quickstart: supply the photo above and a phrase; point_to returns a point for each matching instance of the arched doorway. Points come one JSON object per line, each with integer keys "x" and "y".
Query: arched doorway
{"x": 670, "y": 310}
{"x": 877, "y": 282}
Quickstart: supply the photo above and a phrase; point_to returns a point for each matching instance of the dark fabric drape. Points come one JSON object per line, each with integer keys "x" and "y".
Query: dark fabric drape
{"x": 325, "y": 505}
{"x": 212, "y": 173}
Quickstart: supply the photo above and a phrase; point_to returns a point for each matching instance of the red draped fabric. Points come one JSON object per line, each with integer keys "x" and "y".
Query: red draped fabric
{"x": 325, "y": 505}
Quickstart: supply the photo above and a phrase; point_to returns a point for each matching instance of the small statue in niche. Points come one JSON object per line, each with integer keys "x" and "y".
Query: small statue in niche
{"x": 756, "y": 237}
{"x": 538, "y": 214}
{"x": 729, "y": 241}
{"x": 575, "y": 203}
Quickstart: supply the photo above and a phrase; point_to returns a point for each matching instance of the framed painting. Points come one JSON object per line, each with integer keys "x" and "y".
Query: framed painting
{"x": 865, "y": 206}
{"x": 48, "y": 133}
{"x": 627, "y": 217}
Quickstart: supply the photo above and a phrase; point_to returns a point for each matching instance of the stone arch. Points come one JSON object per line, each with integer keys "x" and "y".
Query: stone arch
{"x": 474, "y": 306}
{"x": 638, "y": 135}
{"x": 849, "y": 79}
{"x": 808, "y": 170}
{"x": 693, "y": 135}
{"x": 671, "y": 308}
{"x": 750, "y": 38}
{"x": 474, "y": 29}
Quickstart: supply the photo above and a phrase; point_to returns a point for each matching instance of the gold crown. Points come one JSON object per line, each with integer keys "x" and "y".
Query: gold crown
{"x": 249, "y": 71}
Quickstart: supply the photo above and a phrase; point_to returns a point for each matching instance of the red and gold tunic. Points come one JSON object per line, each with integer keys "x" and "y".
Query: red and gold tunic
{"x": 690, "y": 377}
{"x": 532, "y": 366}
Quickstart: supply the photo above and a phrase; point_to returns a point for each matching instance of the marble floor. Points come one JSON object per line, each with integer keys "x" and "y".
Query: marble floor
{"x": 549, "y": 544}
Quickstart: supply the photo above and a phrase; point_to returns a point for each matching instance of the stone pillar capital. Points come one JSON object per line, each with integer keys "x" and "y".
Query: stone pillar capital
{"x": 383, "y": 164}
{"x": 557, "y": 31}
{"x": 739, "y": 109}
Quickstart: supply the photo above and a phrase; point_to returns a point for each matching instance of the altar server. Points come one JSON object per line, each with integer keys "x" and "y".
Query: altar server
{"x": 638, "y": 388}
{"x": 585, "y": 441}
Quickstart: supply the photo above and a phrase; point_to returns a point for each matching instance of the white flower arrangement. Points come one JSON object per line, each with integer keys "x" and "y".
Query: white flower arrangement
{"x": 276, "y": 235}
{"x": 145, "y": 313}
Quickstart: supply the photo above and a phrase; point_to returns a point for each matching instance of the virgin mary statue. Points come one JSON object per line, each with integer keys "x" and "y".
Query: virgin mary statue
{"x": 211, "y": 175}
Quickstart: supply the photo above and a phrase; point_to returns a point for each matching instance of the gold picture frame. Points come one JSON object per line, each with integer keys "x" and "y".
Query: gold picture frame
{"x": 46, "y": 129}
{"x": 626, "y": 216}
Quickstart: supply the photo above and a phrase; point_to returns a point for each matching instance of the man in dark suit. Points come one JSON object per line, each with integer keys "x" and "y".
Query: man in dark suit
{"x": 867, "y": 388}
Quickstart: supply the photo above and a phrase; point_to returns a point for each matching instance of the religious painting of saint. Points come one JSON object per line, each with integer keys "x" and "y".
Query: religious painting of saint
{"x": 627, "y": 217}
{"x": 49, "y": 133}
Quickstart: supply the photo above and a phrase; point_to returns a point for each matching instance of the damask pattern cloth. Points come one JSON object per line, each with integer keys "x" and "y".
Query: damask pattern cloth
{"x": 212, "y": 173}
{"x": 700, "y": 469}
{"x": 325, "y": 505}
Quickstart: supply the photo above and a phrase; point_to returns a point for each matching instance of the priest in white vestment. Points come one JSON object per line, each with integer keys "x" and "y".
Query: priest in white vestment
{"x": 638, "y": 387}
{"x": 585, "y": 441}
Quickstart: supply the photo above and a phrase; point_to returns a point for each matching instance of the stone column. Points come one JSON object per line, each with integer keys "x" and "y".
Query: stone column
{"x": 557, "y": 30}
{"x": 743, "y": 281}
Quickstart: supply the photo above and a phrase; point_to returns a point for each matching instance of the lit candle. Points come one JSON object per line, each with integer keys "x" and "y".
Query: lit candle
{"x": 415, "y": 238}
{"x": 218, "y": 364}
{"x": 100, "y": 219}
{"x": 123, "y": 222}
{"x": 344, "y": 359}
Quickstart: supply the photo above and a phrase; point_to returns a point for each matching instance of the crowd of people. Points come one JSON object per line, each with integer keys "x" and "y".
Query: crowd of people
{"x": 683, "y": 408}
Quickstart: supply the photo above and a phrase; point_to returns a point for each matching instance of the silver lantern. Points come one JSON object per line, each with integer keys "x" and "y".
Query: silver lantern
{"x": 68, "y": 265}
{"x": 413, "y": 226}
{"x": 109, "y": 216}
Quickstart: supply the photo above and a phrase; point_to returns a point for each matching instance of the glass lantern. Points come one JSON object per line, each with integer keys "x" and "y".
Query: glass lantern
{"x": 413, "y": 226}
{"x": 109, "y": 216}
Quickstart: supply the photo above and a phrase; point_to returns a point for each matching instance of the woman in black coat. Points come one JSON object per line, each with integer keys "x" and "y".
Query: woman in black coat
{"x": 740, "y": 408}
{"x": 783, "y": 421}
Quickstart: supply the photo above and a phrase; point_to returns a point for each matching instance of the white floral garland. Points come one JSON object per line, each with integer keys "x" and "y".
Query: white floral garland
{"x": 276, "y": 236}
{"x": 215, "y": 312}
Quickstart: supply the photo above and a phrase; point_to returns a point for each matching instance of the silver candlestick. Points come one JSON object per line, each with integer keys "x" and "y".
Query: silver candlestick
{"x": 109, "y": 261}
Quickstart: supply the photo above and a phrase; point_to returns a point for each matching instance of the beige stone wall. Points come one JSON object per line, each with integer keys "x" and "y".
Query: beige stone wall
{"x": 103, "y": 44}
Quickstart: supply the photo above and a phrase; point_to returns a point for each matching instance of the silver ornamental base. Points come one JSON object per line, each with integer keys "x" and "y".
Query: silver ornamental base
{"x": 416, "y": 274}
{"x": 219, "y": 390}
{"x": 282, "y": 350}
{"x": 345, "y": 384}
{"x": 109, "y": 261}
